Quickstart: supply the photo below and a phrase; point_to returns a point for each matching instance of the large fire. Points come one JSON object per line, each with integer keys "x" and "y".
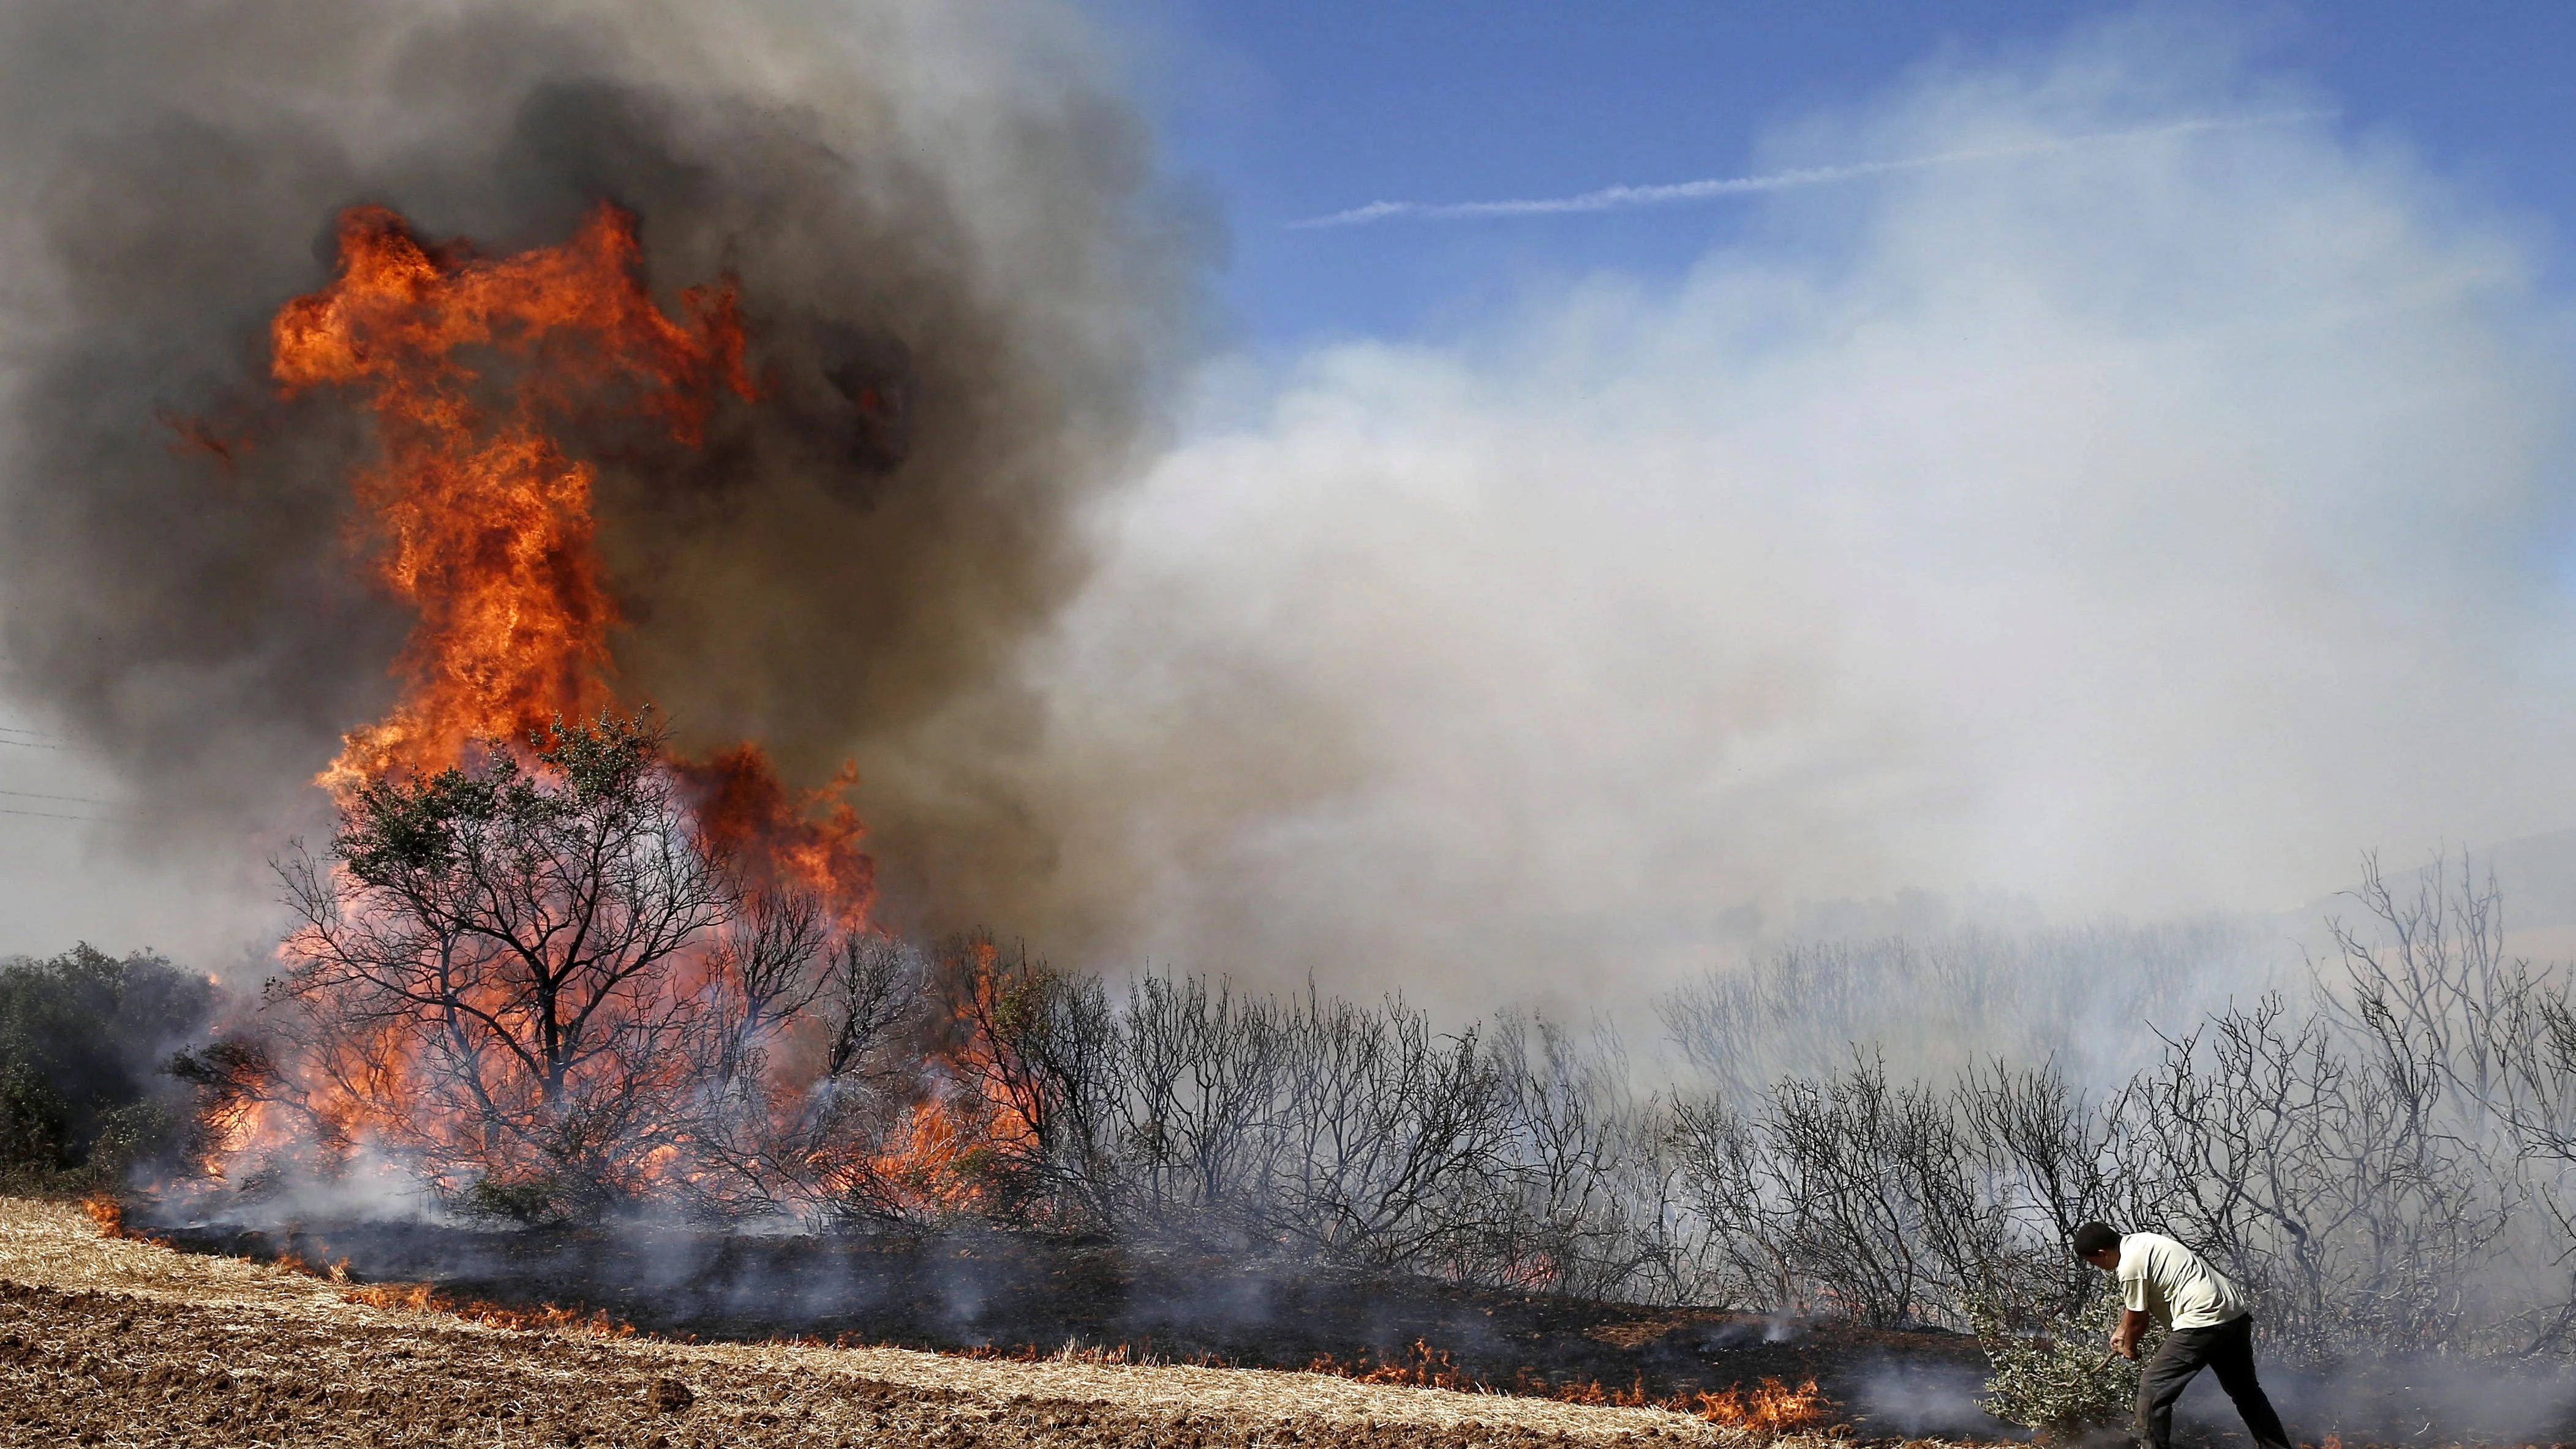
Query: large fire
{"x": 478, "y": 515}
{"x": 481, "y": 523}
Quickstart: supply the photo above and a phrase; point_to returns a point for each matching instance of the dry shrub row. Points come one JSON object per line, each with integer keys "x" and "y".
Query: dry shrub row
{"x": 2385, "y": 1160}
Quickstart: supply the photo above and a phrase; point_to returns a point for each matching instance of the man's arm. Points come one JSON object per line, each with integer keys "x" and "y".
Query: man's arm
{"x": 2124, "y": 1339}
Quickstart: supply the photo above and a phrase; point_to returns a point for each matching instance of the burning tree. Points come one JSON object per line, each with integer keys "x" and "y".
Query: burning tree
{"x": 546, "y": 965}
{"x": 547, "y": 989}
{"x": 502, "y": 972}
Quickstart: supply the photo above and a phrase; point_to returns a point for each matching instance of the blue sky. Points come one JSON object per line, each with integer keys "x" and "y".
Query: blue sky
{"x": 1290, "y": 111}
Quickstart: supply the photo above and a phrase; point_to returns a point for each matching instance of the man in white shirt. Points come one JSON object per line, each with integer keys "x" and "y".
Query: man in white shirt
{"x": 2208, "y": 1326}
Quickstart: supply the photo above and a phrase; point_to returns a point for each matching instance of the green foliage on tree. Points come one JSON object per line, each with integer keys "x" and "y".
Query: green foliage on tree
{"x": 83, "y": 1036}
{"x": 31, "y": 1119}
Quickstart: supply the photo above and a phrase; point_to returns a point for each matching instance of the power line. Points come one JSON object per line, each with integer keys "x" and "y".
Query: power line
{"x": 31, "y": 745}
{"x": 42, "y": 815}
{"x": 69, "y": 799}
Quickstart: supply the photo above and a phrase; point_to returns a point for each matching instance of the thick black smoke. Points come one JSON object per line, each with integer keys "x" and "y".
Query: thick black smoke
{"x": 965, "y": 279}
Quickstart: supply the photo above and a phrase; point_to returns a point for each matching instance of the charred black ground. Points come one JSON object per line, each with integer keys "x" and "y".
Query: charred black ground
{"x": 1015, "y": 1293}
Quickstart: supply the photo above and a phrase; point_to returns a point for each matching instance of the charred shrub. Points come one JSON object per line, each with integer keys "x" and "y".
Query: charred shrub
{"x": 537, "y": 1202}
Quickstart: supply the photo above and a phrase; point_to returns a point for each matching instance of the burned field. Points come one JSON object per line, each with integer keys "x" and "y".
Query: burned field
{"x": 111, "y": 1341}
{"x": 1016, "y": 1295}
{"x": 1001, "y": 1342}
{"x": 126, "y": 1341}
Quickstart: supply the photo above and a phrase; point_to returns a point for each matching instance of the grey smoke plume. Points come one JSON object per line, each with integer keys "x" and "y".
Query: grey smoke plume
{"x": 942, "y": 204}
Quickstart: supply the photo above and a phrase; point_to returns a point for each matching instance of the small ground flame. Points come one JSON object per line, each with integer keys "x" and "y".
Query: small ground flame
{"x": 1769, "y": 1408}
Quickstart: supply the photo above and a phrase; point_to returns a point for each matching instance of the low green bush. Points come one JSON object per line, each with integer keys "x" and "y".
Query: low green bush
{"x": 83, "y": 1037}
{"x": 2063, "y": 1382}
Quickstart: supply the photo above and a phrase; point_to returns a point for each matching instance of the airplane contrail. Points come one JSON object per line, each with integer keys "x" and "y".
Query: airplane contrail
{"x": 1615, "y": 198}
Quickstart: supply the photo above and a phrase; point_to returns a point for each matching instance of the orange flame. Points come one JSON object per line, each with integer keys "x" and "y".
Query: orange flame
{"x": 423, "y": 1298}
{"x": 105, "y": 1214}
{"x": 482, "y": 524}
{"x": 780, "y": 837}
{"x": 478, "y": 517}
{"x": 972, "y": 1122}
{"x": 1772, "y": 1408}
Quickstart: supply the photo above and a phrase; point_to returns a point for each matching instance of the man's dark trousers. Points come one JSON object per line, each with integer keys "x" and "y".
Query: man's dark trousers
{"x": 2227, "y": 1348}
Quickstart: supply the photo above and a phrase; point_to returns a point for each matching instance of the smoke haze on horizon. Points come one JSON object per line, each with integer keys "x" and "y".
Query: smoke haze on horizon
{"x": 2150, "y": 530}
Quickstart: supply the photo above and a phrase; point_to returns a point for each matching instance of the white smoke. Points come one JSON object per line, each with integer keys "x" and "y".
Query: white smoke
{"x": 2148, "y": 528}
